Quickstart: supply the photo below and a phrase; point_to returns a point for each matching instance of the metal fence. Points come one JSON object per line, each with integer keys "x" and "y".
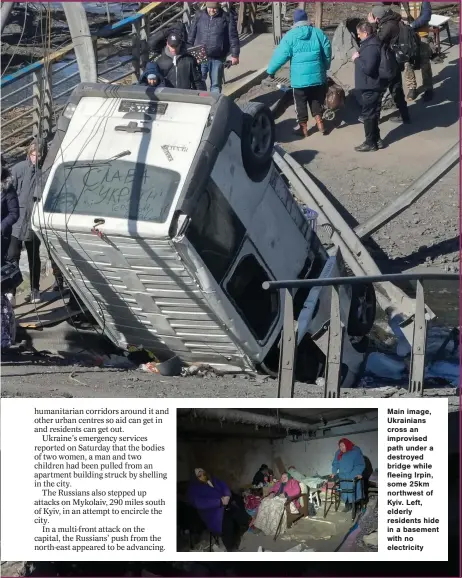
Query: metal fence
{"x": 336, "y": 329}
{"x": 33, "y": 97}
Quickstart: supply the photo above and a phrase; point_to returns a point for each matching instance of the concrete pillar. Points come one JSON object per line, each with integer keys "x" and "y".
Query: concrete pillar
{"x": 81, "y": 37}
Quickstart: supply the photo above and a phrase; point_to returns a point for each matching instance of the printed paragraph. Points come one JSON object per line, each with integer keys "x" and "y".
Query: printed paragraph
{"x": 99, "y": 478}
{"x": 416, "y": 454}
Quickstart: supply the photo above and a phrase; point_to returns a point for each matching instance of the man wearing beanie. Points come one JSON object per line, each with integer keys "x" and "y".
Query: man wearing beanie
{"x": 387, "y": 23}
{"x": 369, "y": 84}
{"x": 216, "y": 30}
{"x": 309, "y": 51}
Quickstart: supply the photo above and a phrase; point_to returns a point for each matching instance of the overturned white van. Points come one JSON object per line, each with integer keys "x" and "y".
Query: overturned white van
{"x": 165, "y": 212}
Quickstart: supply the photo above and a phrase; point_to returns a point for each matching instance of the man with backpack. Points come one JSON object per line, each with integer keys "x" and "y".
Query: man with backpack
{"x": 418, "y": 16}
{"x": 216, "y": 30}
{"x": 388, "y": 24}
{"x": 368, "y": 82}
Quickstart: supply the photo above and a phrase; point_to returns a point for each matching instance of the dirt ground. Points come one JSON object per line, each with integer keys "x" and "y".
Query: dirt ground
{"x": 428, "y": 232}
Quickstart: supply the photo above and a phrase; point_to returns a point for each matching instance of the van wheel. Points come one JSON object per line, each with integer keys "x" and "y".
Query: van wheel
{"x": 257, "y": 140}
{"x": 362, "y": 310}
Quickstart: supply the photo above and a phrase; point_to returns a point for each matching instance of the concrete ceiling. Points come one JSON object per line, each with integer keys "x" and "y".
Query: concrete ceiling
{"x": 314, "y": 415}
{"x": 193, "y": 425}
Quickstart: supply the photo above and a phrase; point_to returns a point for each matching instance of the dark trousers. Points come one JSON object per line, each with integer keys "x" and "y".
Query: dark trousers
{"x": 312, "y": 96}
{"x": 235, "y": 519}
{"x": 397, "y": 93}
{"x": 33, "y": 256}
{"x": 371, "y": 107}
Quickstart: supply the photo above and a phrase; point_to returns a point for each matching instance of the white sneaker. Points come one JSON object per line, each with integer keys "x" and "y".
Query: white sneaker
{"x": 35, "y": 296}
{"x": 12, "y": 299}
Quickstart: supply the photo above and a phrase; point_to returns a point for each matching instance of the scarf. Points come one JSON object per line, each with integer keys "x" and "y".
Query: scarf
{"x": 283, "y": 485}
{"x": 348, "y": 446}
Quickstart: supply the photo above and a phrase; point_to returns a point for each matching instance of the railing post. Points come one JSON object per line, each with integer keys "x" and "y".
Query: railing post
{"x": 42, "y": 103}
{"x": 241, "y": 18}
{"x": 136, "y": 51}
{"x": 186, "y": 14}
{"x": 288, "y": 344}
{"x": 333, "y": 375}
{"x": 277, "y": 24}
{"x": 145, "y": 31}
{"x": 419, "y": 344}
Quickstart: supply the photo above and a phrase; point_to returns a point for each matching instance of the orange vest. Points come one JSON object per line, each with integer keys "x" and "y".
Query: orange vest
{"x": 415, "y": 8}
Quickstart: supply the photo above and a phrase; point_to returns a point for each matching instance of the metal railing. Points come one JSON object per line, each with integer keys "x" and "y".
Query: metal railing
{"x": 336, "y": 329}
{"x": 34, "y": 96}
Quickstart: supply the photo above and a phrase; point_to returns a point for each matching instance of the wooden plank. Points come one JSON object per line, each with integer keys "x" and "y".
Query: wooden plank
{"x": 280, "y": 465}
{"x": 47, "y": 318}
{"x": 241, "y": 18}
{"x": 318, "y": 14}
{"x": 51, "y": 309}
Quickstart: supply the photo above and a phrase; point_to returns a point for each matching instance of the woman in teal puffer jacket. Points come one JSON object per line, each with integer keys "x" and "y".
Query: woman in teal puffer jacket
{"x": 310, "y": 53}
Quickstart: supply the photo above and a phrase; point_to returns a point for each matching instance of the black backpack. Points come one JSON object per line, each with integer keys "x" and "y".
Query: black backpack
{"x": 388, "y": 67}
{"x": 406, "y": 46}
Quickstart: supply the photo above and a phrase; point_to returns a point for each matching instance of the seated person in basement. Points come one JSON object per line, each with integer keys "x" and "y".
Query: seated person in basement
{"x": 349, "y": 465}
{"x": 287, "y": 487}
{"x": 262, "y": 476}
{"x": 271, "y": 510}
{"x": 220, "y": 513}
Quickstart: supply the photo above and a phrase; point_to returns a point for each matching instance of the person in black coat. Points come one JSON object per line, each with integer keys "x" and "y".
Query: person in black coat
{"x": 387, "y": 24}
{"x": 178, "y": 68}
{"x": 369, "y": 84}
{"x": 10, "y": 208}
{"x": 216, "y": 30}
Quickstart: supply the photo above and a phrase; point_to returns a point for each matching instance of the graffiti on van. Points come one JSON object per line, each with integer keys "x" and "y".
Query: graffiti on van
{"x": 117, "y": 189}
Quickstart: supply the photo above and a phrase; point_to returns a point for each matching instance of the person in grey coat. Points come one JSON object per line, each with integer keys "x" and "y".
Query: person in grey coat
{"x": 25, "y": 180}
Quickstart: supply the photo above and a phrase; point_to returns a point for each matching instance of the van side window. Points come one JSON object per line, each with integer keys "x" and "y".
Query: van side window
{"x": 215, "y": 232}
{"x": 258, "y": 307}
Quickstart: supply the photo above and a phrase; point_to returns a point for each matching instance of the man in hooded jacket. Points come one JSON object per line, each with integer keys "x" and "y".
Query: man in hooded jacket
{"x": 387, "y": 24}
{"x": 178, "y": 68}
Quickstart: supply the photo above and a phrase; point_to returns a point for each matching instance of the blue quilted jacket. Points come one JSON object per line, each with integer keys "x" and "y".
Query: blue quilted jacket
{"x": 309, "y": 52}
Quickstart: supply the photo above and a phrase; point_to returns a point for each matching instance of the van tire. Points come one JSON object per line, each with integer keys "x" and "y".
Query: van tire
{"x": 257, "y": 140}
{"x": 362, "y": 299}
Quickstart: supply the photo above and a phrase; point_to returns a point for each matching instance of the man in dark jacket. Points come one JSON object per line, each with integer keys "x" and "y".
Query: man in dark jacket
{"x": 217, "y": 31}
{"x": 158, "y": 40}
{"x": 369, "y": 84}
{"x": 418, "y": 16}
{"x": 25, "y": 180}
{"x": 387, "y": 24}
{"x": 178, "y": 68}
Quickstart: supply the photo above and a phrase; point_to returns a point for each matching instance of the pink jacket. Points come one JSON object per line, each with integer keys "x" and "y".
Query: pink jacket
{"x": 292, "y": 488}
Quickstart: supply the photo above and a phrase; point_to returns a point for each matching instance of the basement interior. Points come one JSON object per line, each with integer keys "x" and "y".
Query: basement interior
{"x": 256, "y": 480}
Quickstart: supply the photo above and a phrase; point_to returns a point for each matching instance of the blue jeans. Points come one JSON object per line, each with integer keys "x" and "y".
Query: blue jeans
{"x": 214, "y": 68}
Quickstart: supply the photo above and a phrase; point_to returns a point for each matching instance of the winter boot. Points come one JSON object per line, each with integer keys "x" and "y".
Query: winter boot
{"x": 302, "y": 129}
{"x": 320, "y": 124}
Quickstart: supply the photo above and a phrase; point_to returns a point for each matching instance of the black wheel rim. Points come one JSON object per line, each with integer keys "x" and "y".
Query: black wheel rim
{"x": 260, "y": 135}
